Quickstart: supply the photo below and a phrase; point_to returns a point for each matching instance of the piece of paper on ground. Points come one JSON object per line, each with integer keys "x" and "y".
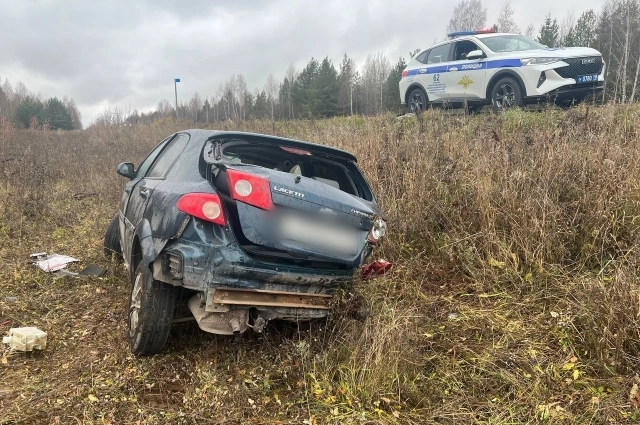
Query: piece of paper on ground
{"x": 54, "y": 262}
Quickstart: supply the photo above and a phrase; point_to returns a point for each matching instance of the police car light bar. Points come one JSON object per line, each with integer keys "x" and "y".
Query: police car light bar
{"x": 461, "y": 33}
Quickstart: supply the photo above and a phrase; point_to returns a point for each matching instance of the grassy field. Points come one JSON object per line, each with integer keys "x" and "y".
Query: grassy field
{"x": 515, "y": 296}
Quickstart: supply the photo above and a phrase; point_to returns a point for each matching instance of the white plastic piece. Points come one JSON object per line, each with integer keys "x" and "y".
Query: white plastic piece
{"x": 54, "y": 262}
{"x": 26, "y": 339}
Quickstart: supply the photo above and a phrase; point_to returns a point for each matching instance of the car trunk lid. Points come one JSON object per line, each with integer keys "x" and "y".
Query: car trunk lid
{"x": 309, "y": 218}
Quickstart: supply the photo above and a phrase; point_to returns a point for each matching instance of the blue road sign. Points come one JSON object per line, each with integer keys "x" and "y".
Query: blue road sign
{"x": 177, "y": 80}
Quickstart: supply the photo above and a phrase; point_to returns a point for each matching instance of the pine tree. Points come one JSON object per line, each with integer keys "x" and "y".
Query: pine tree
{"x": 56, "y": 115}
{"x": 301, "y": 89}
{"x": 392, "y": 90}
{"x": 583, "y": 34}
{"x": 549, "y": 32}
{"x": 206, "y": 111}
{"x": 324, "y": 90}
{"x": 29, "y": 109}
{"x": 248, "y": 106}
{"x": 261, "y": 107}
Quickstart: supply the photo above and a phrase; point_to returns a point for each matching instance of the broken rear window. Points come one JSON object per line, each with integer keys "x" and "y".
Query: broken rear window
{"x": 297, "y": 161}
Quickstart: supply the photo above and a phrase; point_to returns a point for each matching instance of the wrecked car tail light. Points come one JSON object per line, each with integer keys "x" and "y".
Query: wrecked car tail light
{"x": 206, "y": 206}
{"x": 375, "y": 269}
{"x": 378, "y": 230}
{"x": 250, "y": 189}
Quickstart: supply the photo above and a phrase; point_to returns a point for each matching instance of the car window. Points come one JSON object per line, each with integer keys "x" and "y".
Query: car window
{"x": 511, "y": 43}
{"x": 422, "y": 57}
{"x": 463, "y": 48}
{"x": 292, "y": 161}
{"x": 439, "y": 54}
{"x": 144, "y": 167}
{"x": 161, "y": 167}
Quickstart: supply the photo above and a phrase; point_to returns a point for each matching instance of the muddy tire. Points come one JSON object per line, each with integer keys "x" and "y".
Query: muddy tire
{"x": 112, "y": 239}
{"x": 151, "y": 308}
{"x": 506, "y": 94}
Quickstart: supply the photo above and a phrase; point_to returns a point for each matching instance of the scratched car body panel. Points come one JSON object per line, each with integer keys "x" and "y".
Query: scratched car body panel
{"x": 252, "y": 227}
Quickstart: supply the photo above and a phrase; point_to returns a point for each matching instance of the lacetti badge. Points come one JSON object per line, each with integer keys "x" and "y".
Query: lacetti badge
{"x": 588, "y": 61}
{"x": 361, "y": 214}
{"x": 288, "y": 191}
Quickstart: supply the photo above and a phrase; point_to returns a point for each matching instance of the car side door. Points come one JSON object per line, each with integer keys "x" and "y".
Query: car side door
{"x": 125, "y": 225}
{"x": 148, "y": 183}
{"x": 466, "y": 78}
{"x": 431, "y": 75}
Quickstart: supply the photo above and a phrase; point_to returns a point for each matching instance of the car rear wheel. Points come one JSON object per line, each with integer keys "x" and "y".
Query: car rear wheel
{"x": 151, "y": 308}
{"x": 112, "y": 239}
{"x": 506, "y": 94}
{"x": 418, "y": 100}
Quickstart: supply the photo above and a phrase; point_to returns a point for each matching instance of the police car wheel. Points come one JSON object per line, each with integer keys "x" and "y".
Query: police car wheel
{"x": 417, "y": 100}
{"x": 506, "y": 94}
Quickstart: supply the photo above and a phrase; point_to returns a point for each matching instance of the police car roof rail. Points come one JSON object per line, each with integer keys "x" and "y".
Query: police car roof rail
{"x": 462, "y": 33}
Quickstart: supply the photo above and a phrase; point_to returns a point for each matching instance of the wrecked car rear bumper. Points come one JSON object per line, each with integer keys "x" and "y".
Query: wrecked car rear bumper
{"x": 199, "y": 267}
{"x": 235, "y": 289}
{"x": 229, "y": 279}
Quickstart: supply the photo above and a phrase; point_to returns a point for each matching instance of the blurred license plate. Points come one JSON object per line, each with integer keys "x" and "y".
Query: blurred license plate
{"x": 323, "y": 237}
{"x": 591, "y": 78}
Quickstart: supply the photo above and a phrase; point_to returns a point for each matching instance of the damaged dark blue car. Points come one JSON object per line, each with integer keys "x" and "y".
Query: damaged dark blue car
{"x": 251, "y": 227}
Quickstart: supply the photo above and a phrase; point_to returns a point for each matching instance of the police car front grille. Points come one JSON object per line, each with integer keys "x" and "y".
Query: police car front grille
{"x": 577, "y": 67}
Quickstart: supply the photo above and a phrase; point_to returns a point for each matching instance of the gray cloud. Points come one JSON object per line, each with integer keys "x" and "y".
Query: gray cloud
{"x": 127, "y": 53}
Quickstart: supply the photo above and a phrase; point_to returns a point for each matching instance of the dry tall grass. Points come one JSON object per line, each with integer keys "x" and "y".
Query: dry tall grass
{"x": 515, "y": 297}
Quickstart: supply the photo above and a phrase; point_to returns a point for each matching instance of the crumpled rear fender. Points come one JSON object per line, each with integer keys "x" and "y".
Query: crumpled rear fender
{"x": 149, "y": 247}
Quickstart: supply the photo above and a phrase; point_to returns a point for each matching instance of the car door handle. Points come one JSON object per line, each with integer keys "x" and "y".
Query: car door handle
{"x": 144, "y": 193}
{"x": 453, "y": 69}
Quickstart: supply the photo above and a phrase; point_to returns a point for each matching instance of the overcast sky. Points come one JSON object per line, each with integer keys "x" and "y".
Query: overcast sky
{"x": 127, "y": 53}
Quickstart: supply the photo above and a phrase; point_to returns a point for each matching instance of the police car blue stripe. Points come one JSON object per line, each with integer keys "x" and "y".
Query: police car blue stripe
{"x": 474, "y": 66}
{"x": 504, "y": 63}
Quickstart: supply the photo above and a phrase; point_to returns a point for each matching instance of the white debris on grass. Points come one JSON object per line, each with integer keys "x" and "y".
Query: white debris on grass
{"x": 26, "y": 339}
{"x": 53, "y": 262}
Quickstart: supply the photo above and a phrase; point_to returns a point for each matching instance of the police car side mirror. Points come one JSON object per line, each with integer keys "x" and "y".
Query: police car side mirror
{"x": 475, "y": 54}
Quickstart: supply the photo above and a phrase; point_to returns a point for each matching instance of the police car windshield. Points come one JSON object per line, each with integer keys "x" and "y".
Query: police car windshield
{"x": 511, "y": 43}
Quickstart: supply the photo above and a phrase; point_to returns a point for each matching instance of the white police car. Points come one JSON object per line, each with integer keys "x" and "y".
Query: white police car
{"x": 476, "y": 68}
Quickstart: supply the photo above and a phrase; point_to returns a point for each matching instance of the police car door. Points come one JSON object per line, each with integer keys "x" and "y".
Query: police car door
{"x": 431, "y": 76}
{"x": 466, "y": 79}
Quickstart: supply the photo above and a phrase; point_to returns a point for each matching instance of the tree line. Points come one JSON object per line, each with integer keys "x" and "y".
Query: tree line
{"x": 321, "y": 89}
{"x": 28, "y": 110}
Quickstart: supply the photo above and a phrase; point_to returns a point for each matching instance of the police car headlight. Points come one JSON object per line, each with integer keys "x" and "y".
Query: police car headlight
{"x": 538, "y": 61}
{"x": 378, "y": 230}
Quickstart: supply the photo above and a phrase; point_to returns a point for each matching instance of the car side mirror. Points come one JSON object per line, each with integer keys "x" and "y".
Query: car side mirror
{"x": 125, "y": 169}
{"x": 475, "y": 54}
